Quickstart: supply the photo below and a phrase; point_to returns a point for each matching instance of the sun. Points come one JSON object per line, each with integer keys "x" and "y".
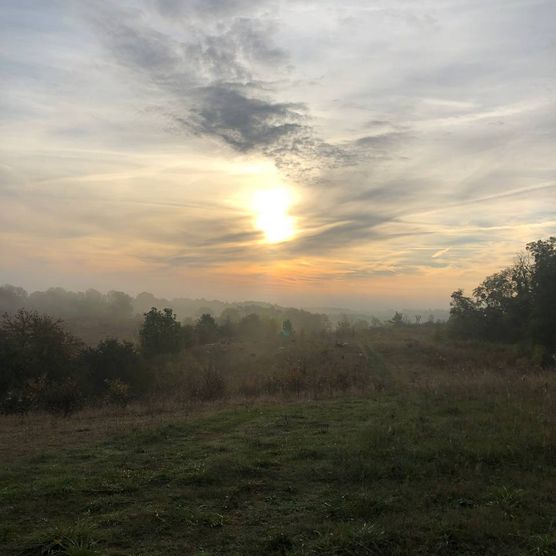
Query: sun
{"x": 271, "y": 214}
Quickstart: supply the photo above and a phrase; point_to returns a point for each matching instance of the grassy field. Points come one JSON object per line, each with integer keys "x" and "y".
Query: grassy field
{"x": 437, "y": 463}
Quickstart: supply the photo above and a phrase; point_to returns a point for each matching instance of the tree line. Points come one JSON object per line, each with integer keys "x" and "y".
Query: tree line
{"x": 516, "y": 305}
{"x": 43, "y": 366}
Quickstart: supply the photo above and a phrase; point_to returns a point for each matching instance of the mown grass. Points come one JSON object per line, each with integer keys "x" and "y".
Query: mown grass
{"x": 422, "y": 469}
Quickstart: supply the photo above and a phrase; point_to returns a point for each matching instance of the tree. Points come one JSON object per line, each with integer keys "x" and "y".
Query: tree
{"x": 466, "y": 319}
{"x": 119, "y": 304}
{"x": 517, "y": 304}
{"x": 250, "y": 327}
{"x": 543, "y": 292}
{"x": 38, "y": 363}
{"x": 160, "y": 333}
{"x": 34, "y": 345}
{"x": 397, "y": 319}
{"x": 206, "y": 329}
{"x": 12, "y": 298}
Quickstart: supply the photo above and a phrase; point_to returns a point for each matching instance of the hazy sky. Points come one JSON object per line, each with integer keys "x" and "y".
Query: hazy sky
{"x": 328, "y": 152}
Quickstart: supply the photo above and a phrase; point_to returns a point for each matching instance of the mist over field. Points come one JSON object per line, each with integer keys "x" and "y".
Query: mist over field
{"x": 277, "y": 277}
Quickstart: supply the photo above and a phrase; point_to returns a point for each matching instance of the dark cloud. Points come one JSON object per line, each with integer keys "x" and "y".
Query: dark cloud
{"x": 243, "y": 122}
{"x": 339, "y": 232}
{"x": 206, "y": 8}
{"x": 212, "y": 75}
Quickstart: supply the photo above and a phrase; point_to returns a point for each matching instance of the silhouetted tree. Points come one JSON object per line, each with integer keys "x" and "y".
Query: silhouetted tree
{"x": 38, "y": 360}
{"x": 160, "y": 333}
{"x": 543, "y": 292}
{"x": 397, "y": 319}
{"x": 517, "y": 304}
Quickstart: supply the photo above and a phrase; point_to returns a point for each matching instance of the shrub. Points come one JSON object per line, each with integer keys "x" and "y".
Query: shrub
{"x": 62, "y": 398}
{"x": 115, "y": 362}
{"x": 117, "y": 392}
{"x": 32, "y": 346}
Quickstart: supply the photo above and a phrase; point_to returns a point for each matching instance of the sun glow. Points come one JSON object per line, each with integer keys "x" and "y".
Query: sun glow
{"x": 271, "y": 210}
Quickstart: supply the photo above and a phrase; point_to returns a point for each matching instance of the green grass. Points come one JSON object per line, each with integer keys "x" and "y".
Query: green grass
{"x": 407, "y": 472}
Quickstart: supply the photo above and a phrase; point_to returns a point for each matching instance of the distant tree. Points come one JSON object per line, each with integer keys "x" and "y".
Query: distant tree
{"x": 119, "y": 304}
{"x": 230, "y": 314}
{"x": 203, "y": 310}
{"x": 418, "y": 319}
{"x": 144, "y": 301}
{"x": 251, "y": 326}
{"x": 12, "y": 298}
{"x": 397, "y": 319}
{"x": 160, "y": 333}
{"x": 206, "y": 329}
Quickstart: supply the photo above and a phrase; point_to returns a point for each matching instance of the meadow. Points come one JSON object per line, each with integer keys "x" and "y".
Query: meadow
{"x": 446, "y": 449}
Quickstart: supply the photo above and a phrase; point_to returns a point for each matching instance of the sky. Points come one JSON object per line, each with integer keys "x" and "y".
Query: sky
{"x": 357, "y": 153}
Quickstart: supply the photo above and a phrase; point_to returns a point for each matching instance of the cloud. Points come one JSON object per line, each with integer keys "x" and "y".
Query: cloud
{"x": 205, "y": 8}
{"x": 440, "y": 253}
{"x": 221, "y": 82}
{"x": 243, "y": 122}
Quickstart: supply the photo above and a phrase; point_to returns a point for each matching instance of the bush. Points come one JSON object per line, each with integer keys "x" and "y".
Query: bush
{"x": 33, "y": 346}
{"x": 117, "y": 392}
{"x": 113, "y": 362}
{"x": 15, "y": 402}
